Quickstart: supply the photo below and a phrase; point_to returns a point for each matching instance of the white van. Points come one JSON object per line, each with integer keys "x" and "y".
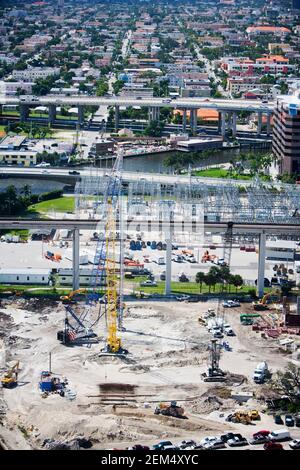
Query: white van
{"x": 280, "y": 435}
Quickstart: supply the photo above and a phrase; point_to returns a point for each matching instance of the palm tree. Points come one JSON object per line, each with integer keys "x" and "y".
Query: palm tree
{"x": 200, "y": 278}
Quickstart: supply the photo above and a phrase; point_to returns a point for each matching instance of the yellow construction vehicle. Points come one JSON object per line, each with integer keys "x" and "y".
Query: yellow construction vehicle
{"x": 254, "y": 415}
{"x": 239, "y": 417}
{"x": 262, "y": 303}
{"x": 69, "y": 297}
{"x": 10, "y": 377}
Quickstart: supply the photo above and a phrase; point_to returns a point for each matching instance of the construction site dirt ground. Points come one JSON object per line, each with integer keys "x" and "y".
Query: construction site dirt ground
{"x": 168, "y": 352}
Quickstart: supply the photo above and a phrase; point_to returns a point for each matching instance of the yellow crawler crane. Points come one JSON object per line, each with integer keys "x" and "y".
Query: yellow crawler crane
{"x": 113, "y": 344}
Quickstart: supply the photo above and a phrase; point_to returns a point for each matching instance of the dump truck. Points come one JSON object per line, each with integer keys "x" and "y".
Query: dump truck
{"x": 170, "y": 410}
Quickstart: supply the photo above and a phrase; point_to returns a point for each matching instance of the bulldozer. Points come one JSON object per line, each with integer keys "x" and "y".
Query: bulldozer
{"x": 170, "y": 410}
{"x": 239, "y": 417}
{"x": 10, "y": 377}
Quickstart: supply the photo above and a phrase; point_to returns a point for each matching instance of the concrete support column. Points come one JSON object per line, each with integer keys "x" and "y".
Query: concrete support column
{"x": 153, "y": 113}
{"x": 117, "y": 117}
{"x": 193, "y": 120}
{"x": 184, "y": 121}
{"x": 24, "y": 112}
{"x": 234, "y": 124}
{"x": 219, "y": 122}
{"x": 229, "y": 120}
{"x": 52, "y": 113}
{"x": 168, "y": 266}
{"x": 268, "y": 124}
{"x": 259, "y": 123}
{"x": 80, "y": 115}
{"x": 76, "y": 259}
{"x": 223, "y": 124}
{"x": 261, "y": 264}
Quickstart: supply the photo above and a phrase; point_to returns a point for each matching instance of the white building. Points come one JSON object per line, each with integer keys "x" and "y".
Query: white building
{"x": 11, "y": 88}
{"x": 33, "y": 73}
{"x": 25, "y": 276}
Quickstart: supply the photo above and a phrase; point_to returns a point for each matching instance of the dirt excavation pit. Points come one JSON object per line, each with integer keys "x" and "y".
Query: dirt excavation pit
{"x": 116, "y": 397}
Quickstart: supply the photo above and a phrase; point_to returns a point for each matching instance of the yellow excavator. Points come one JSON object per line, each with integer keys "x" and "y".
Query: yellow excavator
{"x": 262, "y": 303}
{"x": 69, "y": 297}
{"x": 10, "y": 377}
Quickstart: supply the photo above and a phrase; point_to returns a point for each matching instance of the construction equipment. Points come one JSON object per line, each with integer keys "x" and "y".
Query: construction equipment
{"x": 51, "y": 384}
{"x": 53, "y": 256}
{"x": 247, "y": 318}
{"x": 254, "y": 415}
{"x": 79, "y": 328}
{"x": 228, "y": 239}
{"x": 215, "y": 374}
{"x": 239, "y": 417}
{"x": 207, "y": 257}
{"x": 262, "y": 303}
{"x": 69, "y": 297}
{"x": 10, "y": 377}
{"x": 170, "y": 410}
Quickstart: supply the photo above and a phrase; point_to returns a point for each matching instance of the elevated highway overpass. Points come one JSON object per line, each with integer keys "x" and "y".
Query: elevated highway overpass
{"x": 75, "y": 225}
{"x": 227, "y": 109}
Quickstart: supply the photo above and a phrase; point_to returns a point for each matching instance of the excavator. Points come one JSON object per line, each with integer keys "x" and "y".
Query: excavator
{"x": 262, "y": 303}
{"x": 69, "y": 297}
{"x": 10, "y": 377}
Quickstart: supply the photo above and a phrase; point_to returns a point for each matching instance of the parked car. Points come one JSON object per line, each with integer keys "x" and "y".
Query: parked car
{"x": 259, "y": 440}
{"x": 162, "y": 444}
{"x": 295, "y": 444}
{"x": 297, "y": 421}
{"x": 148, "y": 283}
{"x": 138, "y": 447}
{"x": 231, "y": 303}
{"x": 221, "y": 262}
{"x": 182, "y": 298}
{"x": 228, "y": 330}
{"x": 226, "y": 437}
{"x": 217, "y": 444}
{"x": 263, "y": 432}
{"x": 74, "y": 172}
{"x": 207, "y": 439}
{"x": 238, "y": 440}
{"x": 273, "y": 446}
{"x": 185, "y": 444}
{"x": 278, "y": 419}
{"x": 289, "y": 421}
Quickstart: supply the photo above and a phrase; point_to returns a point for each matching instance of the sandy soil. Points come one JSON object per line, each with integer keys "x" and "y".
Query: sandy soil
{"x": 167, "y": 354}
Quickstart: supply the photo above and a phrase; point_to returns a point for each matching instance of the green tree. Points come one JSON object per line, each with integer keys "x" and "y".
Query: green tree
{"x": 200, "y": 278}
{"x": 101, "y": 87}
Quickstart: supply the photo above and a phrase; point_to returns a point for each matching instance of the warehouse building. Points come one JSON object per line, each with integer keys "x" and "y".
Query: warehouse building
{"x": 25, "y": 276}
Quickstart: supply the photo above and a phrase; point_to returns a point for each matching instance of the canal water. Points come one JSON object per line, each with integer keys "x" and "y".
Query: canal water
{"x": 154, "y": 163}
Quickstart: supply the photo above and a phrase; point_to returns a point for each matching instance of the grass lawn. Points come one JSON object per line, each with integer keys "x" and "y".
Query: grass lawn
{"x": 182, "y": 287}
{"x": 220, "y": 173}
{"x": 61, "y": 204}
